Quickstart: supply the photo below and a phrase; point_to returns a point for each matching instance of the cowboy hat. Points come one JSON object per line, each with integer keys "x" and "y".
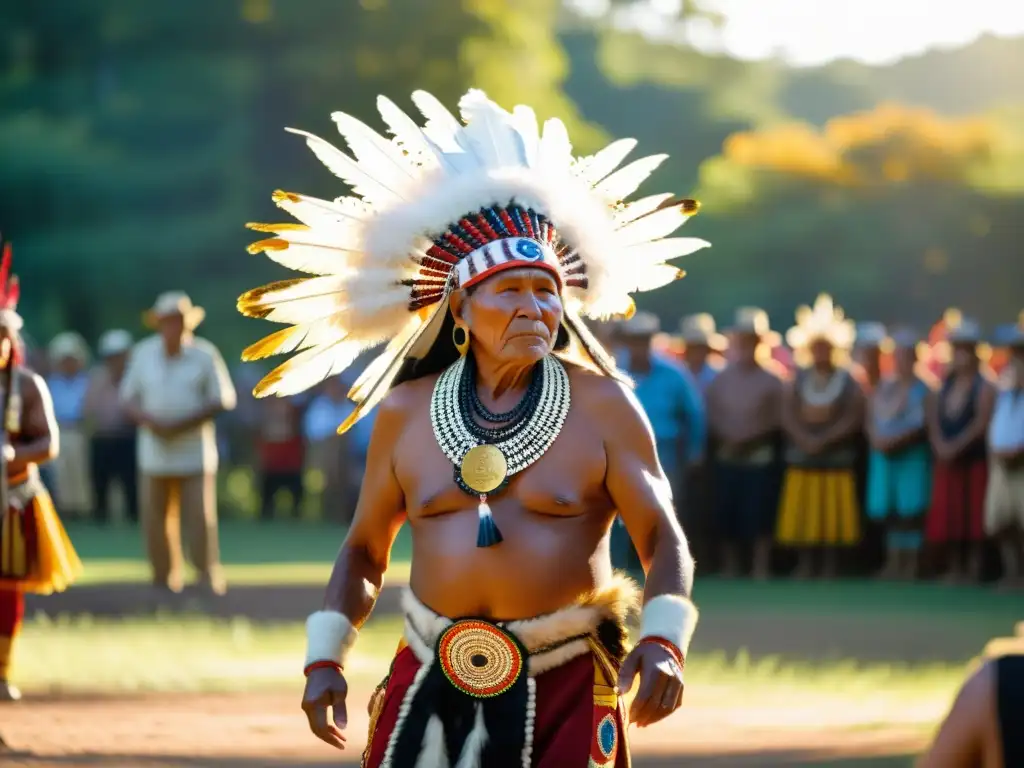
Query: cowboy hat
{"x": 753, "y": 321}
{"x": 640, "y": 324}
{"x": 700, "y": 329}
{"x": 825, "y": 322}
{"x": 114, "y": 342}
{"x": 68, "y": 344}
{"x": 174, "y": 303}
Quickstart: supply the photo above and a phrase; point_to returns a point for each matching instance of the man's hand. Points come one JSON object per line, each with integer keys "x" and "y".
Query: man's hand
{"x": 325, "y": 688}
{"x": 661, "y": 683}
{"x": 945, "y": 451}
{"x": 9, "y": 453}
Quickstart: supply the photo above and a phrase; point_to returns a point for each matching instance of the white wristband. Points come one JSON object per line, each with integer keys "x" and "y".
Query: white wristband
{"x": 670, "y": 617}
{"x": 329, "y": 637}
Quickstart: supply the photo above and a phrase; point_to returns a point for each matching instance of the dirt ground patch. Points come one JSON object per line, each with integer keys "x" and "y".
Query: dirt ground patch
{"x": 268, "y": 731}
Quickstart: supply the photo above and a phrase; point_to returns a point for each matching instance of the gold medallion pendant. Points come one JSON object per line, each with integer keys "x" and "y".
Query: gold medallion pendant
{"x": 484, "y": 468}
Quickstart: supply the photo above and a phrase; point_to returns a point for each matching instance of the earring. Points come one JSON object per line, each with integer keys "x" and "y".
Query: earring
{"x": 460, "y": 337}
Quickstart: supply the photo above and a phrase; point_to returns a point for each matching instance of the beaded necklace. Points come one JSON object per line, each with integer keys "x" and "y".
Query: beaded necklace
{"x": 486, "y": 457}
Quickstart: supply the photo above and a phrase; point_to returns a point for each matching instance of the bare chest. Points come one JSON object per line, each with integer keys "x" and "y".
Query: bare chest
{"x": 566, "y": 481}
{"x": 743, "y": 397}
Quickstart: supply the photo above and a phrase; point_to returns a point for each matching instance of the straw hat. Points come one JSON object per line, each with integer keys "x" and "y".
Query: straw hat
{"x": 640, "y": 324}
{"x": 824, "y": 321}
{"x": 700, "y": 329}
{"x": 68, "y": 344}
{"x": 870, "y": 335}
{"x": 753, "y": 321}
{"x": 114, "y": 342}
{"x": 174, "y": 303}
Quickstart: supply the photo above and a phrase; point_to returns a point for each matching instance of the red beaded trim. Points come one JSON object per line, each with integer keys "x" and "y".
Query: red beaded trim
{"x": 668, "y": 646}
{"x": 321, "y": 665}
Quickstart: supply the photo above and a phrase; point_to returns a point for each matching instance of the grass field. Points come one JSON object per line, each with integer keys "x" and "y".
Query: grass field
{"x": 773, "y": 663}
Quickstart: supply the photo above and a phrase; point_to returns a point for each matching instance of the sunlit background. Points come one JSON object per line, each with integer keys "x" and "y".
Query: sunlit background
{"x": 872, "y": 149}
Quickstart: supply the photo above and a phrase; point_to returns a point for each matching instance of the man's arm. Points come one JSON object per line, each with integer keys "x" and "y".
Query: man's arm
{"x": 791, "y": 423}
{"x": 356, "y": 579}
{"x": 960, "y": 738}
{"x": 38, "y": 422}
{"x": 850, "y": 421}
{"x": 938, "y": 442}
{"x": 642, "y": 495}
{"x": 130, "y": 391}
{"x": 380, "y": 511}
{"x": 762, "y": 429}
{"x": 218, "y": 390}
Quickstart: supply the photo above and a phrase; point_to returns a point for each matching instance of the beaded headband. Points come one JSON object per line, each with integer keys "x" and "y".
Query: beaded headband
{"x": 444, "y": 205}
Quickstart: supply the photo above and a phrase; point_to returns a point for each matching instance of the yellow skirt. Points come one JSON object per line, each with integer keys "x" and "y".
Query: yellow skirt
{"x": 818, "y": 507}
{"x": 36, "y": 554}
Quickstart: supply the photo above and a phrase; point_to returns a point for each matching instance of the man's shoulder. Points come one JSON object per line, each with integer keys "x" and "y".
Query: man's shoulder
{"x": 600, "y": 393}
{"x": 205, "y": 347}
{"x": 147, "y": 345}
{"x": 409, "y": 396}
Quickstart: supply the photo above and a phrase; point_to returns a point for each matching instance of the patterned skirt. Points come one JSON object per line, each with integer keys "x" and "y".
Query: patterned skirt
{"x": 538, "y": 693}
{"x": 36, "y": 554}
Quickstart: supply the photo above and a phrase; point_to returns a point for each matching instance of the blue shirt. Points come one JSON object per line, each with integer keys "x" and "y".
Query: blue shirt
{"x": 324, "y": 416}
{"x": 68, "y": 395}
{"x": 671, "y": 399}
{"x": 1006, "y": 430}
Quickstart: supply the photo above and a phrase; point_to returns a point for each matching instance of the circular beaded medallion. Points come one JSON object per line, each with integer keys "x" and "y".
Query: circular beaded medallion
{"x": 479, "y": 659}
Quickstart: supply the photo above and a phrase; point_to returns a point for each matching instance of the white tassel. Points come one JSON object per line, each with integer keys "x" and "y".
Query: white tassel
{"x": 531, "y": 717}
{"x": 434, "y": 754}
{"x": 403, "y": 713}
{"x": 473, "y": 749}
{"x": 487, "y": 533}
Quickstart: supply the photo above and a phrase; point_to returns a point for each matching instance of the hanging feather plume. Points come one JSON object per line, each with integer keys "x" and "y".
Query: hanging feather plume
{"x": 381, "y": 264}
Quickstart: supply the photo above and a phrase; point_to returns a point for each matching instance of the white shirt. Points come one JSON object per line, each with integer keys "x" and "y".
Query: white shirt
{"x": 169, "y": 388}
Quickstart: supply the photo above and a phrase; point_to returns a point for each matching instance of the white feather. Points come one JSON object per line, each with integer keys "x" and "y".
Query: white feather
{"x": 312, "y": 259}
{"x": 490, "y": 131}
{"x": 309, "y": 368}
{"x": 473, "y": 747}
{"x": 313, "y": 211}
{"x": 652, "y": 276}
{"x": 348, "y": 170}
{"x": 625, "y": 181}
{"x": 525, "y": 120}
{"x": 445, "y": 131}
{"x": 555, "y": 153}
{"x": 595, "y": 167}
{"x": 662, "y": 250}
{"x": 658, "y": 224}
{"x": 376, "y": 155}
{"x": 408, "y": 135}
{"x": 298, "y": 337}
{"x": 637, "y": 208}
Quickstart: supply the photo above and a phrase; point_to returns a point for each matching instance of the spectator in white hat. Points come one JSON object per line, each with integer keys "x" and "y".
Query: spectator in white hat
{"x": 111, "y": 429}
{"x": 703, "y": 347}
{"x": 175, "y": 385}
{"x": 68, "y": 382}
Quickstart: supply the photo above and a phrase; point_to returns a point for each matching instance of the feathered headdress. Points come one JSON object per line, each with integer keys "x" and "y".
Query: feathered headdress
{"x": 442, "y": 207}
{"x": 825, "y": 321}
{"x": 9, "y": 293}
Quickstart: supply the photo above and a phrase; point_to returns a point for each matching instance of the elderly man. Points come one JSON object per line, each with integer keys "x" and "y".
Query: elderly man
{"x": 508, "y": 442}
{"x": 112, "y": 432}
{"x": 68, "y": 382}
{"x": 174, "y": 387}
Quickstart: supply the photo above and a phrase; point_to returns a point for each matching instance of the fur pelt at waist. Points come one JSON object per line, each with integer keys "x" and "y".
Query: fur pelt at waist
{"x": 552, "y": 639}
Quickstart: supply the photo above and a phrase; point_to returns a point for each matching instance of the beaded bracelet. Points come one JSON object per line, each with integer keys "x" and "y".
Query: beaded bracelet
{"x": 325, "y": 664}
{"x": 668, "y": 646}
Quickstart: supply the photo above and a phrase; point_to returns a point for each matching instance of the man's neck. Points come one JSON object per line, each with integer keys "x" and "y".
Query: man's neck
{"x": 502, "y": 381}
{"x": 172, "y": 348}
{"x": 823, "y": 369}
